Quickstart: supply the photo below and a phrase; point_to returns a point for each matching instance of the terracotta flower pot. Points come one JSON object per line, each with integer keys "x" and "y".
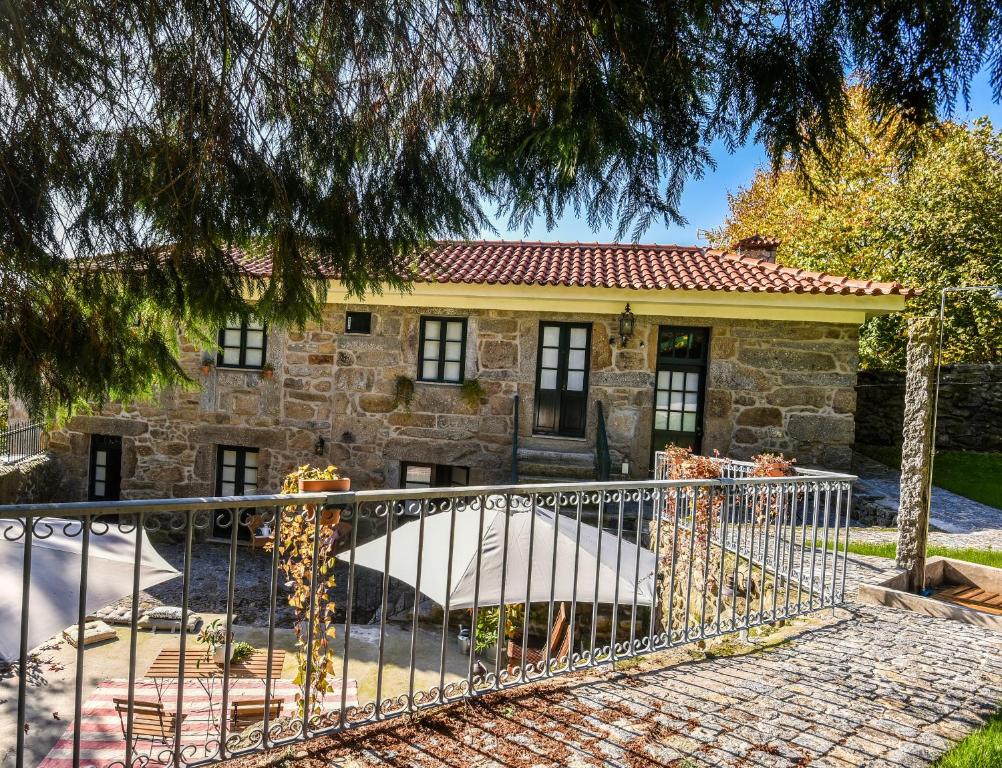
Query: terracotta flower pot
{"x": 206, "y": 369}
{"x": 330, "y": 486}
{"x": 267, "y": 373}
{"x": 330, "y": 517}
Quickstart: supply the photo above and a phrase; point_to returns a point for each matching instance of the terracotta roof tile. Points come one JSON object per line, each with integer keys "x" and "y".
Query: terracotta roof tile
{"x": 619, "y": 265}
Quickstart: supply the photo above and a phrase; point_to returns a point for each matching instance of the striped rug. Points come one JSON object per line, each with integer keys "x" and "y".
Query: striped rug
{"x": 102, "y": 742}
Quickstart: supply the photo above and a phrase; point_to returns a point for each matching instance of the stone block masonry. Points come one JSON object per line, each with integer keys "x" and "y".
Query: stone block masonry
{"x": 970, "y": 408}
{"x": 770, "y": 386}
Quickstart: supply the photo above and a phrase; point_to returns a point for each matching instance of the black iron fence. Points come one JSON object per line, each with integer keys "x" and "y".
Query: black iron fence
{"x": 382, "y": 603}
{"x": 20, "y": 441}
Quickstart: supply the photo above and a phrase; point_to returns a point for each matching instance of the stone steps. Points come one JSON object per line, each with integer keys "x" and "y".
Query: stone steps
{"x": 553, "y": 465}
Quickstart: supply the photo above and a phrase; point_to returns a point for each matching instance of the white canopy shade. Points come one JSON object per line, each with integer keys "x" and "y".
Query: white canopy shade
{"x": 460, "y": 588}
{"x": 55, "y": 576}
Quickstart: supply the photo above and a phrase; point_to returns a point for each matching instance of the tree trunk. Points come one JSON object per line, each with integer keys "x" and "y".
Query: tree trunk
{"x": 916, "y": 451}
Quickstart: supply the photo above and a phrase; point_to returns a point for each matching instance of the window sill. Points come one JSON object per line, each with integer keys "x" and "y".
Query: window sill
{"x": 439, "y": 383}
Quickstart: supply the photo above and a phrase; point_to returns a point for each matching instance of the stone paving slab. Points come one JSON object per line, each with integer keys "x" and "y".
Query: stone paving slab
{"x": 868, "y": 686}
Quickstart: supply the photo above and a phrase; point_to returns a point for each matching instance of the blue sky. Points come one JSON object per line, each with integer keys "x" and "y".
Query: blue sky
{"x": 704, "y": 201}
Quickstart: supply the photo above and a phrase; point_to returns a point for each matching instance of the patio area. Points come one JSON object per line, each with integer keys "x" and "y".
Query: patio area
{"x": 824, "y": 680}
{"x": 866, "y": 686}
{"x": 52, "y": 675}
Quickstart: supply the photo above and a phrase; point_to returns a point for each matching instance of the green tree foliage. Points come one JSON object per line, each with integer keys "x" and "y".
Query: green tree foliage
{"x": 930, "y": 220}
{"x": 142, "y": 142}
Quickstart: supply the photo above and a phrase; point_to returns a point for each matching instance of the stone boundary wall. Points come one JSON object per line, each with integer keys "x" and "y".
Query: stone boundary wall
{"x": 970, "y": 408}
{"x": 33, "y": 481}
{"x": 771, "y": 386}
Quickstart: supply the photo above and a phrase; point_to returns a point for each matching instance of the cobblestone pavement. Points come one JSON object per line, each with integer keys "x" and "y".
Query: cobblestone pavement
{"x": 951, "y": 513}
{"x": 869, "y": 686}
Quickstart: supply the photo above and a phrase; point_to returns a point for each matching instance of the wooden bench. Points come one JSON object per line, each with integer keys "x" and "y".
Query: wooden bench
{"x": 149, "y": 720}
{"x": 246, "y": 713}
{"x": 971, "y": 597}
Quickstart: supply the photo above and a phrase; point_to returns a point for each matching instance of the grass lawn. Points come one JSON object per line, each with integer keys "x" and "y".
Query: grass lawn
{"x": 982, "y": 749}
{"x": 889, "y": 549}
{"x": 974, "y": 475}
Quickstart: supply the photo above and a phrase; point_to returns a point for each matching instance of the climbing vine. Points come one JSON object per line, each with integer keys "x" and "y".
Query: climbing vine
{"x": 296, "y": 561}
{"x": 690, "y": 512}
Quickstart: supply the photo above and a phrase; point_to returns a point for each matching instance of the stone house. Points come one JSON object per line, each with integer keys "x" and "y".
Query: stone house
{"x": 723, "y": 351}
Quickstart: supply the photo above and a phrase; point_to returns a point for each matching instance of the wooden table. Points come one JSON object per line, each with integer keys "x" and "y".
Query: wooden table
{"x": 201, "y": 667}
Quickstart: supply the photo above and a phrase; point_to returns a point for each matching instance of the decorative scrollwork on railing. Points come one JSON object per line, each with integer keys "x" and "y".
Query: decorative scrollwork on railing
{"x": 457, "y": 689}
{"x": 360, "y": 714}
{"x": 496, "y": 503}
{"x": 485, "y": 682}
{"x": 424, "y": 698}
{"x": 13, "y": 529}
{"x": 43, "y": 528}
{"x": 188, "y": 753}
{"x": 224, "y": 518}
{"x": 138, "y": 761}
{"x": 394, "y": 705}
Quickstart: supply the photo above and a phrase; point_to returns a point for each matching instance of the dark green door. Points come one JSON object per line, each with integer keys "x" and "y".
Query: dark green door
{"x": 678, "y": 387}
{"x": 105, "y": 482}
{"x": 562, "y": 368}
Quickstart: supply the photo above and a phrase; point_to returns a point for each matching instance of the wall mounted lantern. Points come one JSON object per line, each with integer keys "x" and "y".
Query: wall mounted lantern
{"x": 318, "y": 446}
{"x": 626, "y": 323}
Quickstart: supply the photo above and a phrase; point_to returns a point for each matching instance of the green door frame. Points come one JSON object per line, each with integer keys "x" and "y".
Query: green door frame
{"x": 682, "y": 352}
{"x": 560, "y": 411}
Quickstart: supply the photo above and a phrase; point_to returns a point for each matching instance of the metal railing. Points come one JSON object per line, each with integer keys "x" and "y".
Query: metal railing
{"x": 699, "y": 559}
{"x": 731, "y": 469}
{"x": 603, "y": 462}
{"x": 514, "y": 441}
{"x": 20, "y": 441}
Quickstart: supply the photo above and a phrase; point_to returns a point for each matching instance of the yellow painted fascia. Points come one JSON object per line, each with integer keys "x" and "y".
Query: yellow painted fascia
{"x": 807, "y": 307}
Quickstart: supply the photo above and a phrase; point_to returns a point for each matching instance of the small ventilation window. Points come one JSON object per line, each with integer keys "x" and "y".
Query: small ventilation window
{"x": 358, "y": 322}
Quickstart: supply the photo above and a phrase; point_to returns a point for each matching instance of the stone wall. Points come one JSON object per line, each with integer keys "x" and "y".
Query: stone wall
{"x": 32, "y": 481}
{"x": 782, "y": 387}
{"x": 771, "y": 386}
{"x": 970, "y": 408}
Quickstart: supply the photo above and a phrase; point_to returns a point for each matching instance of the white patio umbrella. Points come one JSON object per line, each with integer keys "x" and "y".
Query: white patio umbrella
{"x": 55, "y": 576}
{"x": 461, "y": 587}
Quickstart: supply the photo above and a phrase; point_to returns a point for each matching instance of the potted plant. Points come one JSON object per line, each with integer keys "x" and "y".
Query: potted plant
{"x": 313, "y": 479}
{"x": 213, "y": 635}
{"x": 267, "y": 371}
{"x": 485, "y": 634}
{"x": 207, "y": 363}
{"x": 241, "y": 652}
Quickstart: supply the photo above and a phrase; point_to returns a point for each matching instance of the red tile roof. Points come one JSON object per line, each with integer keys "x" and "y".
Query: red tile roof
{"x": 619, "y": 265}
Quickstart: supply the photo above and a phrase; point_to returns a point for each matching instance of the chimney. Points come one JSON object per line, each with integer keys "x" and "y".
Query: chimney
{"x": 758, "y": 247}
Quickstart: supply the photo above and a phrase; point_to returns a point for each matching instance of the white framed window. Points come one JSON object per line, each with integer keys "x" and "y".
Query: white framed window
{"x": 236, "y": 471}
{"x": 242, "y": 344}
{"x": 442, "y": 351}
